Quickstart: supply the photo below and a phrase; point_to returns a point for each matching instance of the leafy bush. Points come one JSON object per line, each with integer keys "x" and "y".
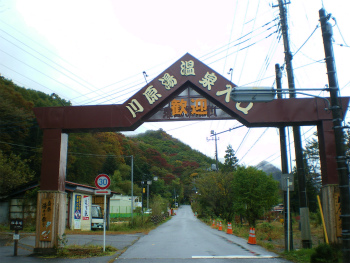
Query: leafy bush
{"x": 316, "y": 218}
{"x": 158, "y": 205}
{"x": 265, "y": 227}
{"x": 325, "y": 253}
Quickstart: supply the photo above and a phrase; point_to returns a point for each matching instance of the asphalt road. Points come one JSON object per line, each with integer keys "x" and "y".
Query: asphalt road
{"x": 184, "y": 238}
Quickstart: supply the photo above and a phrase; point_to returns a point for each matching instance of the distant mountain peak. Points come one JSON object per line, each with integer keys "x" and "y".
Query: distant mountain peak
{"x": 270, "y": 169}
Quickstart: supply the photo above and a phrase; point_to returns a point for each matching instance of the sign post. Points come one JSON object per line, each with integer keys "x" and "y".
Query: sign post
{"x": 102, "y": 182}
{"x": 288, "y": 185}
{"x": 16, "y": 224}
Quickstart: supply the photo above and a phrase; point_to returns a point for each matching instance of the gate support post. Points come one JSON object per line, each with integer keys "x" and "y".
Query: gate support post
{"x": 52, "y": 199}
{"x": 50, "y": 223}
{"x": 329, "y": 195}
{"x": 329, "y": 173}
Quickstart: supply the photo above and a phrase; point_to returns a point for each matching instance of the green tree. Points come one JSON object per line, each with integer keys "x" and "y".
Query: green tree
{"x": 85, "y": 158}
{"x": 254, "y": 193}
{"x": 231, "y": 161}
{"x": 215, "y": 195}
{"x": 110, "y": 165}
{"x": 14, "y": 172}
{"x": 312, "y": 176}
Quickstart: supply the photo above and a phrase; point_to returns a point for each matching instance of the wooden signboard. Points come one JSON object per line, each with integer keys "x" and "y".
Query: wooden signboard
{"x": 46, "y": 215}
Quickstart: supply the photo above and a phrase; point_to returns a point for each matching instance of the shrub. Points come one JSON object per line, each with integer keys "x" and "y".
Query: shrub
{"x": 316, "y": 218}
{"x": 265, "y": 227}
{"x": 158, "y": 205}
{"x": 325, "y": 253}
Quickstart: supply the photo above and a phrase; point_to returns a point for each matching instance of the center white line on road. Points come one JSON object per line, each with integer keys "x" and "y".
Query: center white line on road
{"x": 235, "y": 256}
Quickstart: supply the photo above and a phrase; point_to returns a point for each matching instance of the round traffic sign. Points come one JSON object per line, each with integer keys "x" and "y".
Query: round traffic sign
{"x": 102, "y": 181}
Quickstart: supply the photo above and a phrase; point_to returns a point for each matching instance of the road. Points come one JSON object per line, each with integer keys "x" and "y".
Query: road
{"x": 184, "y": 238}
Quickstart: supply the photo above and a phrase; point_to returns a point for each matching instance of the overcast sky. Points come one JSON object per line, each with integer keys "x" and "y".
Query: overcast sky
{"x": 94, "y": 52}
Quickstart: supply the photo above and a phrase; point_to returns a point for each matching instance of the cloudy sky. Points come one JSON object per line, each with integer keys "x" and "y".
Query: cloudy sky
{"x": 94, "y": 52}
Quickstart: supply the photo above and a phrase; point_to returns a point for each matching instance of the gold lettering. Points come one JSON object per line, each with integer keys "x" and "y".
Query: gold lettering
{"x": 227, "y": 92}
{"x": 168, "y": 81}
{"x": 199, "y": 107}
{"x": 178, "y": 107}
{"x": 246, "y": 109}
{"x": 187, "y": 68}
{"x": 151, "y": 94}
{"x": 208, "y": 80}
{"x": 134, "y": 107}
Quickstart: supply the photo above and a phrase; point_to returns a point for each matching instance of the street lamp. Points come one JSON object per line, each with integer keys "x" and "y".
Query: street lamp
{"x": 149, "y": 182}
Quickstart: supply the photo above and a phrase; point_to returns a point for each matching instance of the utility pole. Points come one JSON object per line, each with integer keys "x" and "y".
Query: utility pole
{"x": 216, "y": 147}
{"x": 284, "y": 166}
{"x": 342, "y": 167}
{"x": 304, "y": 210}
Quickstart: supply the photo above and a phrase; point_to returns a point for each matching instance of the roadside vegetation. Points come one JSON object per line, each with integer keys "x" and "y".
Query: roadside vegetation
{"x": 269, "y": 233}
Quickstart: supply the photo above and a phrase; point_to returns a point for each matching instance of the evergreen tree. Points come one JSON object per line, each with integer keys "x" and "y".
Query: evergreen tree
{"x": 110, "y": 165}
{"x": 231, "y": 161}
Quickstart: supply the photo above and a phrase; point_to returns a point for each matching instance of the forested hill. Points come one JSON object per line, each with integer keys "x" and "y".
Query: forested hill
{"x": 155, "y": 153}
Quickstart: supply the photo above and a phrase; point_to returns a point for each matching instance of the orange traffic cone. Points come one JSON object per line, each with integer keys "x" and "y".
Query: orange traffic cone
{"x": 250, "y": 236}
{"x": 220, "y": 226}
{"x": 213, "y": 225}
{"x": 229, "y": 228}
{"x": 217, "y": 224}
{"x": 252, "y": 239}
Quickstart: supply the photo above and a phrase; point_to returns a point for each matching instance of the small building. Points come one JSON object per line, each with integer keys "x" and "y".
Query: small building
{"x": 80, "y": 198}
{"x": 120, "y": 205}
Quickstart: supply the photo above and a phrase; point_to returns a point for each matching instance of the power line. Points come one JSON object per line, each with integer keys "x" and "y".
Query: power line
{"x": 317, "y": 26}
{"x": 245, "y": 136}
{"x": 45, "y": 58}
{"x": 44, "y": 74}
{"x": 254, "y": 144}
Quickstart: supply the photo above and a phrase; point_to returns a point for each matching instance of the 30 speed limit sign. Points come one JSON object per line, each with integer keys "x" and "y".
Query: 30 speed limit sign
{"x": 102, "y": 181}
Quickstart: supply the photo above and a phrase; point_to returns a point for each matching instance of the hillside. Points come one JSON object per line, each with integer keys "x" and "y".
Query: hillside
{"x": 155, "y": 153}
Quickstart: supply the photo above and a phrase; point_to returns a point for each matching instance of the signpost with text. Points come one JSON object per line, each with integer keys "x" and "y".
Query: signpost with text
{"x": 102, "y": 182}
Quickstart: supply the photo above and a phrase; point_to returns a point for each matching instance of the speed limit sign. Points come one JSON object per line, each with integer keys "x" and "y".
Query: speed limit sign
{"x": 102, "y": 181}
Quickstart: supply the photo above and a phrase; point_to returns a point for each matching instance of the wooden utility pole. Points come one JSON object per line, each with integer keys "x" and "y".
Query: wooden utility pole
{"x": 304, "y": 210}
{"x": 284, "y": 166}
{"x": 342, "y": 166}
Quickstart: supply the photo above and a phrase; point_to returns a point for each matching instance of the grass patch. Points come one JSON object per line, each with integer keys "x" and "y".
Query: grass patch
{"x": 75, "y": 251}
{"x": 301, "y": 255}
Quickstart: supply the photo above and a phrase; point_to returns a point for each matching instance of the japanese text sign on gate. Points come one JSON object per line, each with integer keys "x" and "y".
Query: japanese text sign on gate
{"x": 46, "y": 215}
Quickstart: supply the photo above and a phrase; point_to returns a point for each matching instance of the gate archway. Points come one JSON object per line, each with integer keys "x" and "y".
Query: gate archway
{"x": 187, "y": 89}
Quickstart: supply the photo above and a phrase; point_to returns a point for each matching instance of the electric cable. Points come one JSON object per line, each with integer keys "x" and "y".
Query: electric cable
{"x": 47, "y": 59}
{"x": 35, "y": 42}
{"x": 30, "y": 79}
{"x": 246, "y": 52}
{"x": 317, "y": 26}
{"x": 245, "y": 136}
{"x": 44, "y": 74}
{"x": 254, "y": 143}
{"x": 233, "y": 22}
